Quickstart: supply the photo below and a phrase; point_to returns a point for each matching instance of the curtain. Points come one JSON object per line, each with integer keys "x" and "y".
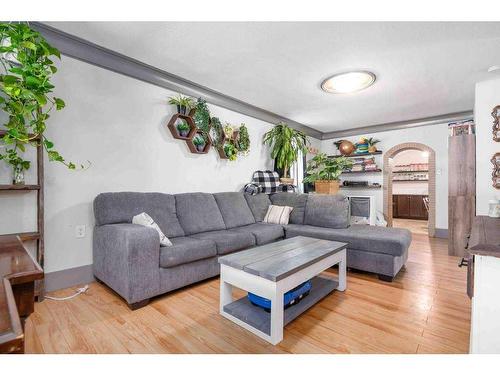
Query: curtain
{"x": 297, "y": 172}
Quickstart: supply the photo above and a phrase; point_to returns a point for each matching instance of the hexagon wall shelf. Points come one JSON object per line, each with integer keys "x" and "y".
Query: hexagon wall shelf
{"x": 234, "y": 138}
{"x": 172, "y": 126}
{"x": 192, "y": 147}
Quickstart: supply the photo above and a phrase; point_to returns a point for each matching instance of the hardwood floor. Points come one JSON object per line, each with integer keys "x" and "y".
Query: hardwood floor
{"x": 414, "y": 226}
{"x": 425, "y": 310}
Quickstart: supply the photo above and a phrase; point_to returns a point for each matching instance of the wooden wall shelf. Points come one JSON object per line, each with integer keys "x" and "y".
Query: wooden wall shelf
{"x": 19, "y": 187}
{"x": 362, "y": 172}
{"x": 224, "y": 140}
{"x": 192, "y": 146}
{"x": 38, "y": 235}
{"x": 362, "y": 187}
{"x": 172, "y": 126}
{"x": 358, "y": 155}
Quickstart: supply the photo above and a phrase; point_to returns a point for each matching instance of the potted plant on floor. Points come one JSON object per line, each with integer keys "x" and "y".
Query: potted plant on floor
{"x": 183, "y": 103}
{"x": 324, "y": 172}
{"x": 199, "y": 142}
{"x": 286, "y": 143}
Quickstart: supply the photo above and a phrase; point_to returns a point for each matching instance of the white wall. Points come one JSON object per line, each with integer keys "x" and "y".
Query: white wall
{"x": 487, "y": 97}
{"x": 119, "y": 124}
{"x": 434, "y": 136}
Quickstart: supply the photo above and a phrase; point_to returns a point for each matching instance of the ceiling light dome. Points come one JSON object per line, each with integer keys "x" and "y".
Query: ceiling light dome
{"x": 345, "y": 83}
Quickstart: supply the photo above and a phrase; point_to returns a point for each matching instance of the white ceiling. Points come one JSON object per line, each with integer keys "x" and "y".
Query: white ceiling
{"x": 423, "y": 69}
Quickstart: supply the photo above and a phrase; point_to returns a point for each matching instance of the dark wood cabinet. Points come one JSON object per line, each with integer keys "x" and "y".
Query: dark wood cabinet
{"x": 409, "y": 207}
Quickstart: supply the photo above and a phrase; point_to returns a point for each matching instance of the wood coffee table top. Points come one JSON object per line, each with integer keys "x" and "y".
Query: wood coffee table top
{"x": 278, "y": 260}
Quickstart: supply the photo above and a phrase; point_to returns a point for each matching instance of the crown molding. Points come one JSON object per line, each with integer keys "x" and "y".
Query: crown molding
{"x": 450, "y": 117}
{"x": 91, "y": 53}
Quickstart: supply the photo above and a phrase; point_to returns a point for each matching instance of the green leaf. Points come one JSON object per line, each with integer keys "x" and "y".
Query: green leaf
{"x": 59, "y": 103}
{"x": 33, "y": 81}
{"x": 48, "y": 144}
{"x": 28, "y": 44}
{"x": 9, "y": 79}
{"x": 71, "y": 166}
{"x": 41, "y": 99}
{"x": 53, "y": 69}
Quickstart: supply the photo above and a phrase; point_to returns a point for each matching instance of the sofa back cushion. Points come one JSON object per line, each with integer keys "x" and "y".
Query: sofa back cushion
{"x": 329, "y": 211}
{"x": 234, "y": 209}
{"x": 297, "y": 201}
{"x": 258, "y": 203}
{"x": 198, "y": 212}
{"x": 113, "y": 208}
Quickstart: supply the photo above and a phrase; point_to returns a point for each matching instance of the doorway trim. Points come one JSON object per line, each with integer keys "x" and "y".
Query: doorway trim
{"x": 387, "y": 184}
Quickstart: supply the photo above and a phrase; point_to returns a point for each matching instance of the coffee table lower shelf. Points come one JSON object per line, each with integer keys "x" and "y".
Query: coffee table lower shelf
{"x": 258, "y": 318}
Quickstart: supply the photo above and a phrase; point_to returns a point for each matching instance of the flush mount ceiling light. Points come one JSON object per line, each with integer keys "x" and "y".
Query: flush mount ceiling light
{"x": 345, "y": 83}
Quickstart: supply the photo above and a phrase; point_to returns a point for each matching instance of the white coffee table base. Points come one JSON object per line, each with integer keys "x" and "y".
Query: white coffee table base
{"x": 269, "y": 326}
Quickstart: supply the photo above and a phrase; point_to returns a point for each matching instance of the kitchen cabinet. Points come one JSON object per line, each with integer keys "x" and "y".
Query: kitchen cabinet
{"x": 406, "y": 206}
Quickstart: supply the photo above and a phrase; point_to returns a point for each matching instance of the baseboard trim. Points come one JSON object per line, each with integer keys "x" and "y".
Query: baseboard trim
{"x": 441, "y": 233}
{"x": 68, "y": 278}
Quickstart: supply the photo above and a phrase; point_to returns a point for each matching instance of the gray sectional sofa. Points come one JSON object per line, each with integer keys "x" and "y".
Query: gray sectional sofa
{"x": 201, "y": 226}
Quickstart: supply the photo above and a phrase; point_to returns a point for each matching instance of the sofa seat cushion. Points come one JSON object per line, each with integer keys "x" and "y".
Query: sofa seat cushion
{"x": 263, "y": 232}
{"x": 234, "y": 209}
{"x": 198, "y": 212}
{"x": 392, "y": 241}
{"x": 186, "y": 250}
{"x": 228, "y": 241}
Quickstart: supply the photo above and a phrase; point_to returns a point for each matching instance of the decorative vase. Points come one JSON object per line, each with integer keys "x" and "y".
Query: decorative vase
{"x": 181, "y": 109}
{"x": 346, "y": 148}
{"x": 183, "y": 133}
{"x": 372, "y": 149}
{"x": 287, "y": 181}
{"x": 18, "y": 176}
{"x": 200, "y": 148}
{"x": 326, "y": 186}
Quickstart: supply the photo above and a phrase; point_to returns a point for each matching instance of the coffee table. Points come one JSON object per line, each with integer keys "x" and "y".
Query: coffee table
{"x": 272, "y": 270}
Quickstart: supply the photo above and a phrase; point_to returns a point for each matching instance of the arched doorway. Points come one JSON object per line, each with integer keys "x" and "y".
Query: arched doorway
{"x": 388, "y": 185}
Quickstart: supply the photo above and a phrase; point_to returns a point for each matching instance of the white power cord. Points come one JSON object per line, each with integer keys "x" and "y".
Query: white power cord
{"x": 78, "y": 292}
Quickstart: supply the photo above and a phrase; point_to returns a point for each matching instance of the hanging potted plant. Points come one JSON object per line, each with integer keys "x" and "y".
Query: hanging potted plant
{"x": 183, "y": 128}
{"x": 199, "y": 142}
{"x": 183, "y": 103}
{"x": 230, "y": 151}
{"x": 243, "y": 141}
{"x": 286, "y": 143}
{"x": 25, "y": 88}
{"x": 324, "y": 172}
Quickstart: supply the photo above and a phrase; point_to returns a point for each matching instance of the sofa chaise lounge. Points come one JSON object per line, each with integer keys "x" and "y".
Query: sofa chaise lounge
{"x": 202, "y": 227}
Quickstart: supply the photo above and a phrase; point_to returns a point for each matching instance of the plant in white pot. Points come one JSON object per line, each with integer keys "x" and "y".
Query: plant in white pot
{"x": 286, "y": 143}
{"x": 325, "y": 171}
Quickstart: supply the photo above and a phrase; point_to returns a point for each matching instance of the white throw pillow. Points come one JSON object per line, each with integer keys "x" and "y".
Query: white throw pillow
{"x": 146, "y": 220}
{"x": 278, "y": 214}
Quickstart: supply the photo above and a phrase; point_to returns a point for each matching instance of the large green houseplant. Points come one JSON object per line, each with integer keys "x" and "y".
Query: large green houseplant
{"x": 26, "y": 70}
{"x": 325, "y": 171}
{"x": 286, "y": 143}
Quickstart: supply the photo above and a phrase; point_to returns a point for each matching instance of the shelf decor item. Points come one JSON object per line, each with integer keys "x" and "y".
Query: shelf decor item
{"x": 286, "y": 143}
{"x": 495, "y": 175}
{"x": 324, "y": 172}
{"x": 346, "y": 148}
{"x": 199, "y": 142}
{"x": 371, "y": 144}
{"x": 183, "y": 103}
{"x": 496, "y": 123}
{"x": 361, "y": 146}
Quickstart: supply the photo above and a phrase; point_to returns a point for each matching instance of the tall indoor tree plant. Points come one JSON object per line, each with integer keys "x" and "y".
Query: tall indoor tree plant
{"x": 325, "y": 172}
{"x": 26, "y": 70}
{"x": 286, "y": 143}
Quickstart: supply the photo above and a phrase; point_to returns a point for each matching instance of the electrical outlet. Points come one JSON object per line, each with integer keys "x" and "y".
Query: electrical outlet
{"x": 80, "y": 231}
